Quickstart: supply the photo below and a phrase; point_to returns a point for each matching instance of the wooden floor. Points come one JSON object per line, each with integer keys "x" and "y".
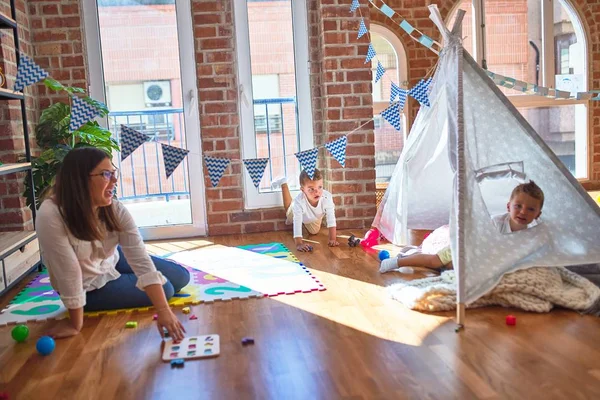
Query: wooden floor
{"x": 349, "y": 342}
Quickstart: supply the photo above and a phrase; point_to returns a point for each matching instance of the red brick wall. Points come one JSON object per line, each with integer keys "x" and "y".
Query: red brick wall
{"x": 14, "y": 215}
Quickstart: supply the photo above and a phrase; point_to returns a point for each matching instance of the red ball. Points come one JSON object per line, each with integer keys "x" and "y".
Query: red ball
{"x": 511, "y": 320}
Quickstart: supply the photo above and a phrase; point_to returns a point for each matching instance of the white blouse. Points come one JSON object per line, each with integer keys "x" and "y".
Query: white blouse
{"x": 78, "y": 266}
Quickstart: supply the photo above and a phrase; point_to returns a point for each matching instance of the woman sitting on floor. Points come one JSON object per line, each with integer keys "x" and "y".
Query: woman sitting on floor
{"x": 94, "y": 253}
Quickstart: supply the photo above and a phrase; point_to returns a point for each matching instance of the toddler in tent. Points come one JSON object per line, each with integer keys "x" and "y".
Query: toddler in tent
{"x": 308, "y": 208}
{"x": 523, "y": 210}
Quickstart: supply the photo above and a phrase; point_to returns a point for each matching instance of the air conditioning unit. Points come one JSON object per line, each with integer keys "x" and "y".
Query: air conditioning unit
{"x": 157, "y": 93}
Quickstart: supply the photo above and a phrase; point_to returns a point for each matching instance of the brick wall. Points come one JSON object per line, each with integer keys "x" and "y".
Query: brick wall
{"x": 341, "y": 87}
{"x": 14, "y": 215}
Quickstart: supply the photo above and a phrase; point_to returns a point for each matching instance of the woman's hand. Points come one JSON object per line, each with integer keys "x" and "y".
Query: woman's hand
{"x": 63, "y": 329}
{"x": 166, "y": 319}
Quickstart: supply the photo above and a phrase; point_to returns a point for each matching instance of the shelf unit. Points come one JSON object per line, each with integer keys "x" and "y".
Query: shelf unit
{"x": 19, "y": 251}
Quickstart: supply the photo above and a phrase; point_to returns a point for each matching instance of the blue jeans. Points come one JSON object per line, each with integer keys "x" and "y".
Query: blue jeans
{"x": 122, "y": 292}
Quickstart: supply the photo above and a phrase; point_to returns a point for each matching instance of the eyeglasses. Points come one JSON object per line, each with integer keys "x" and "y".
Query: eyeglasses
{"x": 108, "y": 175}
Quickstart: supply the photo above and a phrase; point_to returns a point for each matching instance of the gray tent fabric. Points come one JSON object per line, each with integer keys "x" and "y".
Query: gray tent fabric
{"x": 500, "y": 150}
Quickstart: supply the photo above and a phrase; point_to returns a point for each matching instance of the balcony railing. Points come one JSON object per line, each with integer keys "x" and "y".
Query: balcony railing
{"x": 142, "y": 173}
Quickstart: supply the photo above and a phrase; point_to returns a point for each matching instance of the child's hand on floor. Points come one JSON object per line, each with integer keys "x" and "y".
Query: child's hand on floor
{"x": 333, "y": 243}
{"x": 303, "y": 247}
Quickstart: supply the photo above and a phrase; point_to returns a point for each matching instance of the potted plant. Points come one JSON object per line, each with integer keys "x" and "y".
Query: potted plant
{"x": 54, "y": 139}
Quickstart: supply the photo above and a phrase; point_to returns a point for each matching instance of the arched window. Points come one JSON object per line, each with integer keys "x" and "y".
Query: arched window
{"x": 539, "y": 42}
{"x": 388, "y": 141}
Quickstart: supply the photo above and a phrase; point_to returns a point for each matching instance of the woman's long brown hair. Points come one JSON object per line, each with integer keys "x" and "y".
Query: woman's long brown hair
{"x": 72, "y": 195}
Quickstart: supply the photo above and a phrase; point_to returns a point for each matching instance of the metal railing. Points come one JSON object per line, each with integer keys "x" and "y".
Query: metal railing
{"x": 142, "y": 173}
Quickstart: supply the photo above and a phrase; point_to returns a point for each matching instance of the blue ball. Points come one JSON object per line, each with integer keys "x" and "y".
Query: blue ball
{"x": 384, "y": 255}
{"x": 45, "y": 345}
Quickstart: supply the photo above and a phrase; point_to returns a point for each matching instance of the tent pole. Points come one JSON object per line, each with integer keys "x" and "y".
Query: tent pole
{"x": 460, "y": 316}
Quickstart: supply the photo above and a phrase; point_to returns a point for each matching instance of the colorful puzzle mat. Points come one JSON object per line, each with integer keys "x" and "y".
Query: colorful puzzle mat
{"x": 218, "y": 273}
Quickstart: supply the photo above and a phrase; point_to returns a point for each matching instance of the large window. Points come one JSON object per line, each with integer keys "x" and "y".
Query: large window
{"x": 540, "y": 42}
{"x": 388, "y": 141}
{"x": 276, "y": 117}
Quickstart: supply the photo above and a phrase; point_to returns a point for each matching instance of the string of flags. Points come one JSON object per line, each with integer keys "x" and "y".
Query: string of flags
{"x": 498, "y": 79}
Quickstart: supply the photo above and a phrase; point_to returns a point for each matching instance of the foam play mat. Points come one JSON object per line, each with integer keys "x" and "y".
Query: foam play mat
{"x": 218, "y": 273}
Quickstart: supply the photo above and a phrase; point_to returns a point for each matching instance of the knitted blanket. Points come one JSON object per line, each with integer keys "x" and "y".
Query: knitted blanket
{"x": 535, "y": 289}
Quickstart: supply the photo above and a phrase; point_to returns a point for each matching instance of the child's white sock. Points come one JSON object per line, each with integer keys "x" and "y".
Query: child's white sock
{"x": 388, "y": 264}
{"x": 276, "y": 184}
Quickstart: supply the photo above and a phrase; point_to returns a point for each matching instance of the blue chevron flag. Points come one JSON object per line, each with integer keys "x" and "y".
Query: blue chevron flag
{"x": 256, "y": 169}
{"x": 394, "y": 92}
{"x": 337, "y": 148}
{"x": 28, "y": 73}
{"x": 308, "y": 160}
{"x": 130, "y": 141}
{"x": 421, "y": 91}
{"x": 392, "y": 115}
{"x": 172, "y": 156}
{"x": 81, "y": 113}
{"x": 215, "y": 166}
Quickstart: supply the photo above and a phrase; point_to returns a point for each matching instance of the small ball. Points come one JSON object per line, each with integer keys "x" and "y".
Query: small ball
{"x": 20, "y": 333}
{"x": 45, "y": 345}
{"x": 384, "y": 255}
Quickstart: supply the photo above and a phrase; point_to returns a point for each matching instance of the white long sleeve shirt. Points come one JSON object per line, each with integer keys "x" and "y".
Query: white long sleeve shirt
{"x": 305, "y": 213}
{"x": 77, "y": 266}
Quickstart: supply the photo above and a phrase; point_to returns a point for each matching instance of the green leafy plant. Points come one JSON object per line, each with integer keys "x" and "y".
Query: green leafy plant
{"x": 54, "y": 138}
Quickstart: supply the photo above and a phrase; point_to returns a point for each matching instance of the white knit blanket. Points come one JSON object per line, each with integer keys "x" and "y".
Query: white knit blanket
{"x": 535, "y": 289}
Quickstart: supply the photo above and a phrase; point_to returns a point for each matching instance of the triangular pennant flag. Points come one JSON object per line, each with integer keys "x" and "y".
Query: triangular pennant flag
{"x": 362, "y": 29}
{"x": 172, "y": 156}
{"x": 354, "y": 5}
{"x": 337, "y": 148}
{"x": 380, "y": 72}
{"x": 402, "y": 98}
{"x": 370, "y": 53}
{"x": 130, "y": 141}
{"x": 28, "y": 73}
{"x": 216, "y": 167}
{"x": 394, "y": 91}
{"x": 308, "y": 160}
{"x": 392, "y": 115}
{"x": 420, "y": 91}
{"x": 81, "y": 113}
{"x": 256, "y": 169}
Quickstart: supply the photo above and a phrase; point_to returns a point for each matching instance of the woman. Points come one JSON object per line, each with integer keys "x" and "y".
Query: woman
{"x": 94, "y": 253}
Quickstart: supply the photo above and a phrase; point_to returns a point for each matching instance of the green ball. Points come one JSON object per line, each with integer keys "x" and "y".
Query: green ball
{"x": 20, "y": 333}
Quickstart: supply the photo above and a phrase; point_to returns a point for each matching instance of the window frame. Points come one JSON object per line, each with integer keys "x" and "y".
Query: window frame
{"x": 402, "y": 59}
{"x": 547, "y": 68}
{"x": 253, "y": 199}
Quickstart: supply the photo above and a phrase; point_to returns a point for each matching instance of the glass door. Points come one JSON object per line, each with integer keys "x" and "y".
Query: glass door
{"x": 142, "y": 66}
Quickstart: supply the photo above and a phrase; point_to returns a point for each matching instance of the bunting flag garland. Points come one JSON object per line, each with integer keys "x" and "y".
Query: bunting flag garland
{"x": 354, "y": 5}
{"x": 420, "y": 91}
{"x": 337, "y": 148}
{"x": 216, "y": 167}
{"x": 380, "y": 72}
{"x": 370, "y": 53}
{"x": 28, "y": 73}
{"x": 256, "y": 169}
{"x": 308, "y": 160}
{"x": 130, "y": 141}
{"x": 394, "y": 92}
{"x": 172, "y": 156}
{"x": 362, "y": 29}
{"x": 402, "y": 98}
{"x": 81, "y": 113}
{"x": 392, "y": 115}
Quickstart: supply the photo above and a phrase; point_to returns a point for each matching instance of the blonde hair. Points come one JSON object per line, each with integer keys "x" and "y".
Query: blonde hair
{"x": 304, "y": 176}
{"x": 530, "y": 189}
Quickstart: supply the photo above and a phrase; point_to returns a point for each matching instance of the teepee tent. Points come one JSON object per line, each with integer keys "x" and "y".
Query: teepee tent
{"x": 464, "y": 155}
